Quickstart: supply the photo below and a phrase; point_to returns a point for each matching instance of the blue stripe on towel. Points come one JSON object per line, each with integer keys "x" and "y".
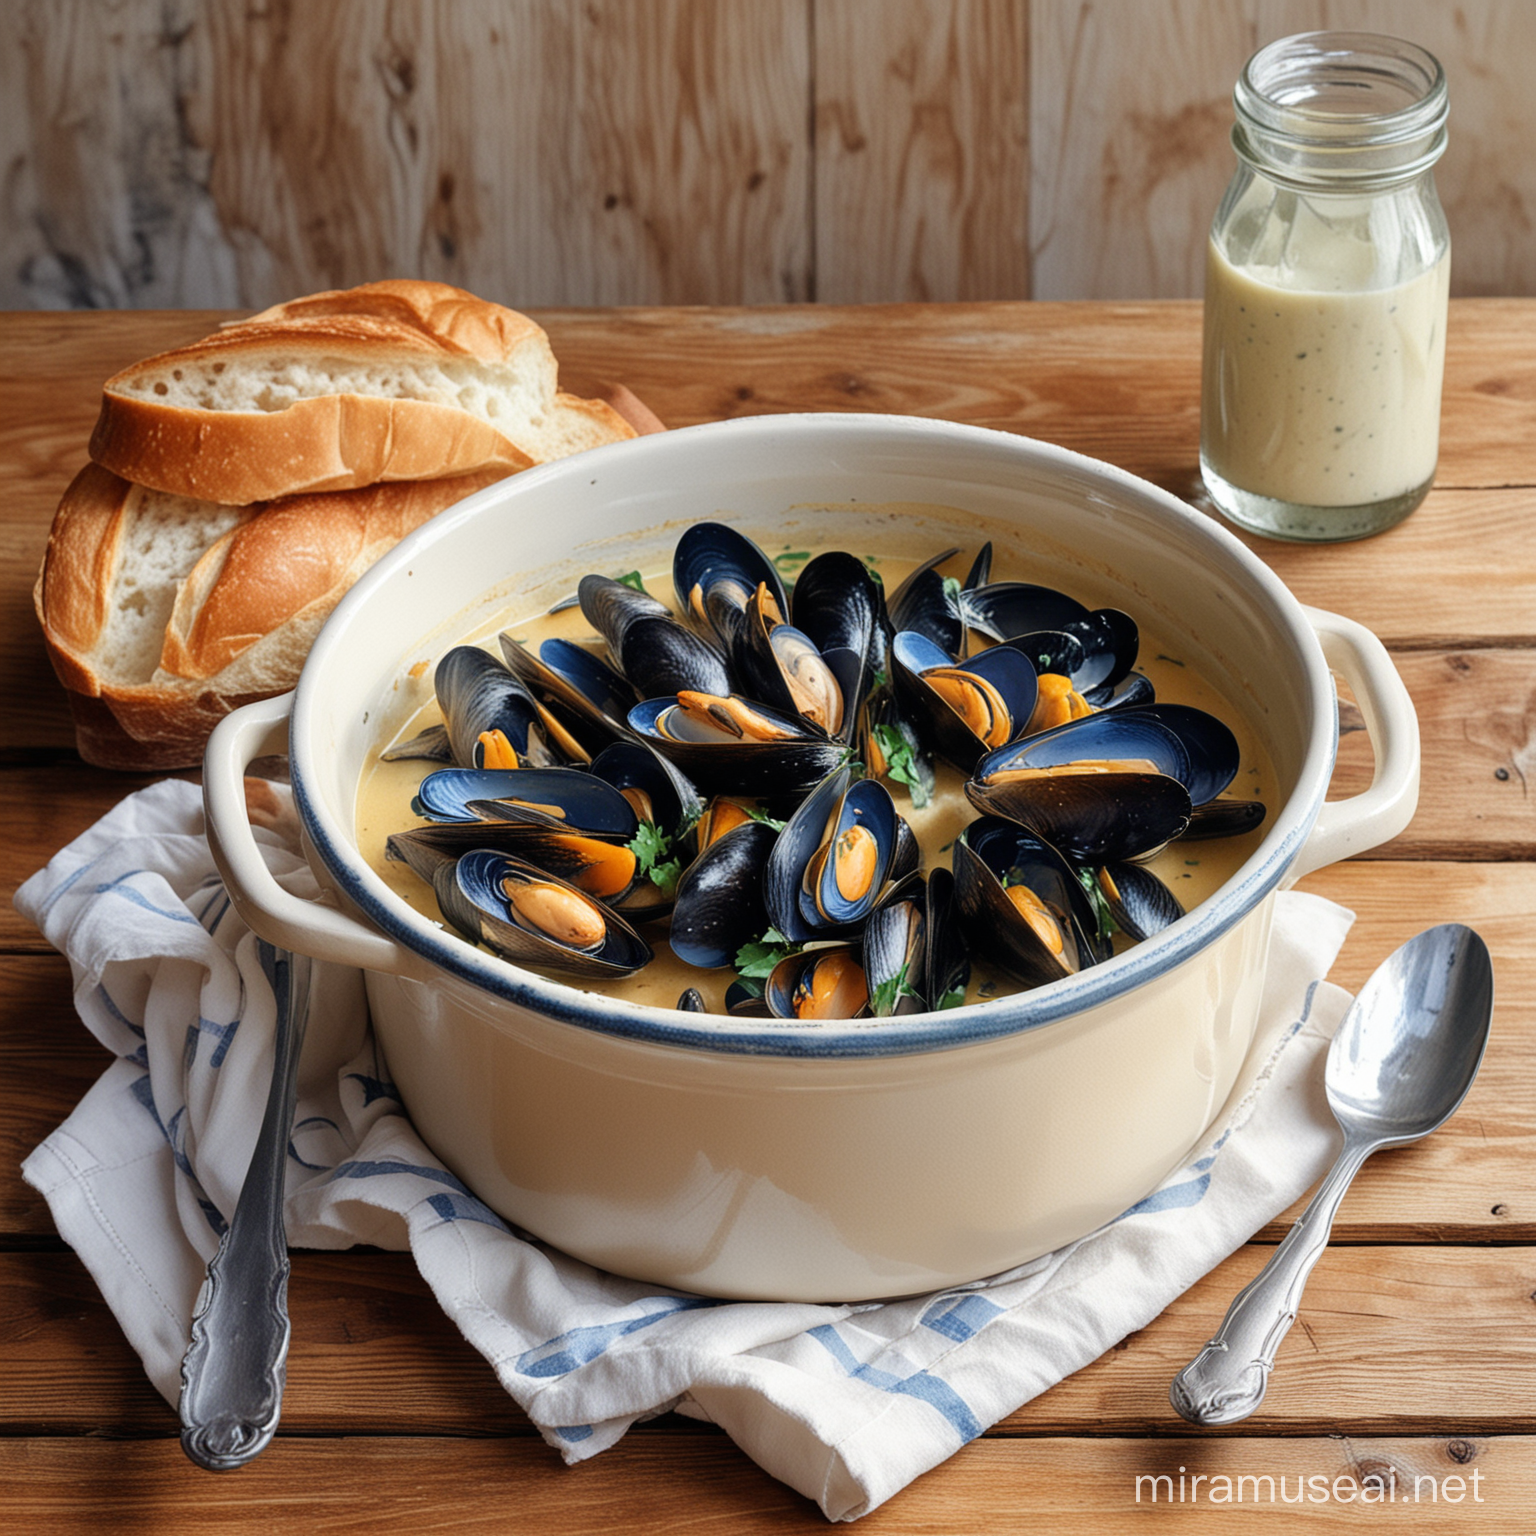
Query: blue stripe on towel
{"x": 117, "y": 887}
{"x": 145, "y": 1094}
{"x": 567, "y": 1351}
{"x": 117, "y": 1013}
{"x": 466, "y": 1208}
{"x": 960, "y": 1318}
{"x": 934, "y": 1391}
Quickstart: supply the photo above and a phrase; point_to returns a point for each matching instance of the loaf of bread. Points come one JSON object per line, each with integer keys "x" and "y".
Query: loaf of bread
{"x": 162, "y": 613}
{"x": 399, "y": 380}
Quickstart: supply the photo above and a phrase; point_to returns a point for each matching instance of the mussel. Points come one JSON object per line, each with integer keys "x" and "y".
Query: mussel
{"x": 1022, "y": 904}
{"x": 964, "y": 709}
{"x": 1108, "y": 786}
{"x": 656, "y": 654}
{"x": 814, "y": 985}
{"x": 720, "y": 904}
{"x": 567, "y": 799}
{"x": 831, "y": 862}
{"x": 728, "y": 744}
{"x": 528, "y": 915}
{"x": 599, "y": 866}
{"x": 715, "y": 572}
{"x": 492, "y": 720}
{"x": 561, "y": 673}
{"x": 1139, "y": 902}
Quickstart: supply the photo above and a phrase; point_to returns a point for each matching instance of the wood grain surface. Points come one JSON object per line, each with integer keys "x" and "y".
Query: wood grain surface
{"x": 186, "y": 153}
{"x": 1415, "y": 1352}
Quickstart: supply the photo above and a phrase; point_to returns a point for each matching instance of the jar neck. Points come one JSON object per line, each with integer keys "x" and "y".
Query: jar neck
{"x": 1343, "y": 112}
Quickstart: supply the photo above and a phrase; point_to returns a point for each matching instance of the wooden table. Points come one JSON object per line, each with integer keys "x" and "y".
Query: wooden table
{"x": 1417, "y": 1347}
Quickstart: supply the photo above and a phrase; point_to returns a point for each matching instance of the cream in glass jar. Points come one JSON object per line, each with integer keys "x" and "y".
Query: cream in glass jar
{"x": 1327, "y": 278}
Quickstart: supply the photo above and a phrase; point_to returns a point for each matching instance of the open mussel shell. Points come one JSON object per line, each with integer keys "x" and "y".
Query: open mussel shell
{"x": 491, "y": 718}
{"x": 1108, "y": 786}
{"x": 964, "y": 709}
{"x": 845, "y": 875}
{"x": 561, "y": 672}
{"x": 525, "y": 914}
{"x": 1209, "y": 746}
{"x": 818, "y": 984}
{"x": 691, "y": 1001}
{"x": 839, "y": 606}
{"x": 1003, "y": 609}
{"x": 602, "y": 867}
{"x": 832, "y": 860}
{"x": 922, "y": 605}
{"x": 567, "y": 799}
{"x": 656, "y": 790}
{"x": 1139, "y": 902}
{"x": 719, "y": 904}
{"x": 715, "y": 571}
{"x": 781, "y": 666}
{"x": 732, "y": 745}
{"x": 1039, "y": 933}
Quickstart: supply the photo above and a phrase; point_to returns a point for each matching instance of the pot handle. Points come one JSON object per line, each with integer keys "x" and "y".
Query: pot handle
{"x": 1378, "y": 814}
{"x": 291, "y": 922}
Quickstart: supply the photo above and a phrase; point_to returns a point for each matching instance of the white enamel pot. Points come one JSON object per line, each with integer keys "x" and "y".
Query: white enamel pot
{"x": 748, "y": 1159}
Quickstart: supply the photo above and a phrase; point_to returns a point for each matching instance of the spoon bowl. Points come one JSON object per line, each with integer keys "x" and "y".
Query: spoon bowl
{"x": 1402, "y": 1061}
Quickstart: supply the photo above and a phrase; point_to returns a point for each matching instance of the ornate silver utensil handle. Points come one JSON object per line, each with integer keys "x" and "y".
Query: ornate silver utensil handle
{"x": 233, "y": 1372}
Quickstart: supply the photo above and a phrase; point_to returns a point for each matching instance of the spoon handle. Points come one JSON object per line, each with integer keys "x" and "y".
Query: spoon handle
{"x": 233, "y": 1372}
{"x": 1225, "y": 1382}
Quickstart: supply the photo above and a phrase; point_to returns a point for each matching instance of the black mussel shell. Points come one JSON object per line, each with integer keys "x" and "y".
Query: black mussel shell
{"x": 480, "y": 697}
{"x": 568, "y": 799}
{"x": 530, "y": 916}
{"x": 431, "y": 744}
{"x": 1139, "y": 902}
{"x": 1225, "y": 817}
{"x": 947, "y": 962}
{"x": 1003, "y": 609}
{"x": 790, "y": 757}
{"x": 610, "y": 607}
{"x": 655, "y": 788}
{"x": 715, "y": 571}
{"x": 1130, "y": 800}
{"x": 804, "y": 833}
{"x": 563, "y": 672}
{"x": 745, "y": 1002}
{"x": 893, "y": 957}
{"x": 780, "y": 665}
{"x": 719, "y": 904}
{"x": 603, "y": 867}
{"x": 839, "y": 606}
{"x": 661, "y": 656}
{"x": 1111, "y": 643}
{"x": 847, "y": 873}
{"x": 929, "y": 688}
{"x": 1209, "y": 745}
{"x": 691, "y": 1001}
{"x": 923, "y": 605}
{"x": 992, "y": 855}
{"x": 818, "y": 984}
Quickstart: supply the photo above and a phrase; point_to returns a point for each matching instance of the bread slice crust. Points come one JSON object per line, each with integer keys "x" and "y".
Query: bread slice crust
{"x": 391, "y": 381}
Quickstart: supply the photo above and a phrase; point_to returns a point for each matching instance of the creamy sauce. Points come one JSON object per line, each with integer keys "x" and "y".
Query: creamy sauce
{"x": 1193, "y": 871}
{"x": 1316, "y": 393}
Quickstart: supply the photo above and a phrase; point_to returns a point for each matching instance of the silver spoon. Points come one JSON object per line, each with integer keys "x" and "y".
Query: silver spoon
{"x": 233, "y": 1372}
{"x": 1402, "y": 1061}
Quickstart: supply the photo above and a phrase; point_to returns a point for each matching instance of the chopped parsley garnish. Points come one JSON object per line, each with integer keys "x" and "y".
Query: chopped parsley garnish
{"x": 890, "y": 992}
{"x": 631, "y": 579}
{"x": 952, "y": 590}
{"x": 652, "y": 849}
{"x": 953, "y": 998}
{"x": 757, "y": 957}
{"x": 1108, "y": 927}
{"x": 903, "y": 764}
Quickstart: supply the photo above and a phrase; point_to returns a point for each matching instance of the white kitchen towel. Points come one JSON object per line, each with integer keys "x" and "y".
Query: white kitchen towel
{"x": 847, "y": 1404}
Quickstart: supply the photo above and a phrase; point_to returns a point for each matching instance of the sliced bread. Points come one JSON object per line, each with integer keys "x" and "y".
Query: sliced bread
{"x": 161, "y": 613}
{"x": 400, "y": 380}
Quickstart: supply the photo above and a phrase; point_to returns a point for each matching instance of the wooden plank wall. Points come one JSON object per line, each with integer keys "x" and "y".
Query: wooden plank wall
{"x": 231, "y": 153}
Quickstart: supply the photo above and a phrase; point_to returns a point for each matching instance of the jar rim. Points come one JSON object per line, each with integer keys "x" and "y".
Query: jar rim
{"x": 1341, "y": 111}
{"x": 1281, "y": 85}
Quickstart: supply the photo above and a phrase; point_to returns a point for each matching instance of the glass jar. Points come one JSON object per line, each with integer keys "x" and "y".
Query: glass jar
{"x": 1327, "y": 275}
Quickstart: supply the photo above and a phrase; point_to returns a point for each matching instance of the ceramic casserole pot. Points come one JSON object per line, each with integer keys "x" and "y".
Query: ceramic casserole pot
{"x": 745, "y": 1158}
